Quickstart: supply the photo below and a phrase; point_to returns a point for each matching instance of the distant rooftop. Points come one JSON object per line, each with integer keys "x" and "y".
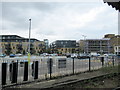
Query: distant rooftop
{"x": 15, "y": 37}
{"x": 65, "y": 40}
{"x": 99, "y": 39}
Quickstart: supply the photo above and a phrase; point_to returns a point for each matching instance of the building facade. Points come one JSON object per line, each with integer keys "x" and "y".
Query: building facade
{"x": 46, "y": 43}
{"x": 115, "y": 43}
{"x": 64, "y": 46}
{"x": 15, "y": 44}
{"x": 117, "y": 50}
{"x": 100, "y": 46}
{"x": 109, "y": 44}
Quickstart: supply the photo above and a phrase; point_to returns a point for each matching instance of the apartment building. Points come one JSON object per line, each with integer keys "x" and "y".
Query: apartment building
{"x": 15, "y": 44}
{"x": 64, "y": 46}
{"x": 46, "y": 43}
{"x": 115, "y": 43}
{"x": 109, "y": 44}
{"x": 101, "y": 46}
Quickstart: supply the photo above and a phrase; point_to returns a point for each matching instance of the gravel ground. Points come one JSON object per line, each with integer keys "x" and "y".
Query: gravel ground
{"x": 104, "y": 83}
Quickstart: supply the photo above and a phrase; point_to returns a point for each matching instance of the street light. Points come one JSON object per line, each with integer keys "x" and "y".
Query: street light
{"x": 84, "y": 42}
{"x": 29, "y": 41}
{"x": 29, "y": 34}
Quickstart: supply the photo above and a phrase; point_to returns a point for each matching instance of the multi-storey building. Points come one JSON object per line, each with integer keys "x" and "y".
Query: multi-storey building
{"x": 115, "y": 42}
{"x": 46, "y": 43}
{"x": 109, "y": 44}
{"x": 16, "y": 44}
{"x": 96, "y": 45}
{"x": 64, "y": 46}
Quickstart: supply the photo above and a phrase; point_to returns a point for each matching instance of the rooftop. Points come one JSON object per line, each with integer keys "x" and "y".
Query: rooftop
{"x": 15, "y": 37}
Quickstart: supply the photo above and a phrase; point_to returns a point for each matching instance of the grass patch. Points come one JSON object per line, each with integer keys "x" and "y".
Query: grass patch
{"x": 110, "y": 69}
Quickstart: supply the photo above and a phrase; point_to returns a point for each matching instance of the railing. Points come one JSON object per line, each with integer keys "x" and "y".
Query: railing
{"x": 18, "y": 70}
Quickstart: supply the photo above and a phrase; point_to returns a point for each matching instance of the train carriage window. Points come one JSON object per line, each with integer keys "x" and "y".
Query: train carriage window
{"x": 62, "y": 63}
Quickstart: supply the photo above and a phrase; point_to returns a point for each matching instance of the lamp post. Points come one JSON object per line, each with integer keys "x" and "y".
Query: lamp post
{"x": 84, "y": 42}
{"x": 29, "y": 41}
{"x": 29, "y": 35}
{"x": 108, "y": 47}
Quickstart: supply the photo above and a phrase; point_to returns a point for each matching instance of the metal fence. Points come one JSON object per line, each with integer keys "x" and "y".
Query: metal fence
{"x": 18, "y": 70}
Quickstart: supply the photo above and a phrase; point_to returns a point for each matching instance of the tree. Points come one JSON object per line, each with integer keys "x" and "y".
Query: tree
{"x": 19, "y": 48}
{"x": 8, "y": 49}
{"x": 73, "y": 50}
{"x": 32, "y": 49}
{"x": 24, "y": 52}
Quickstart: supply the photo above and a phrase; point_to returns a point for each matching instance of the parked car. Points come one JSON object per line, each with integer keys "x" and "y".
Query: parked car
{"x": 44, "y": 54}
{"x": 12, "y": 55}
{"x": 54, "y": 54}
{"x": 2, "y": 55}
{"x": 18, "y": 55}
{"x": 94, "y": 54}
{"x": 82, "y": 56}
{"x": 74, "y": 55}
{"x": 68, "y": 55}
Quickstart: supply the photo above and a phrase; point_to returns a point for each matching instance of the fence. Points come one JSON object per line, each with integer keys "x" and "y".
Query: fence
{"x": 18, "y": 70}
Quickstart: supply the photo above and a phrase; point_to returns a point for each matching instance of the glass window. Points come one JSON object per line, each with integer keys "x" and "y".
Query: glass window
{"x": 61, "y": 42}
{"x": 8, "y": 37}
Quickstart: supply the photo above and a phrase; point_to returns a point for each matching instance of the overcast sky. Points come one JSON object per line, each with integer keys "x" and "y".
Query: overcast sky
{"x": 59, "y": 20}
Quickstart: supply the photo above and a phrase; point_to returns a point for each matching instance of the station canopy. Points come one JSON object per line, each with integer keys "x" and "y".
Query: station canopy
{"x": 114, "y": 3}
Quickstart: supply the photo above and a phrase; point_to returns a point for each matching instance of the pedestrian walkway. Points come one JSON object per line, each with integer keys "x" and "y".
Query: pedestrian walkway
{"x": 55, "y": 82}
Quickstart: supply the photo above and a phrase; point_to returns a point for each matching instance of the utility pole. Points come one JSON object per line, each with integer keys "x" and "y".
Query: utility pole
{"x": 29, "y": 35}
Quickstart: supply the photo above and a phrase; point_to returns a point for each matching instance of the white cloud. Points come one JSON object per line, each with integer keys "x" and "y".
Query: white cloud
{"x": 64, "y": 22}
{"x": 61, "y": 20}
{"x": 51, "y": 1}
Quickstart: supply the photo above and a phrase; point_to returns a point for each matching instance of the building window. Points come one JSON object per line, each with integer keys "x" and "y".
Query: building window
{"x": 61, "y": 42}
{"x": 8, "y": 37}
